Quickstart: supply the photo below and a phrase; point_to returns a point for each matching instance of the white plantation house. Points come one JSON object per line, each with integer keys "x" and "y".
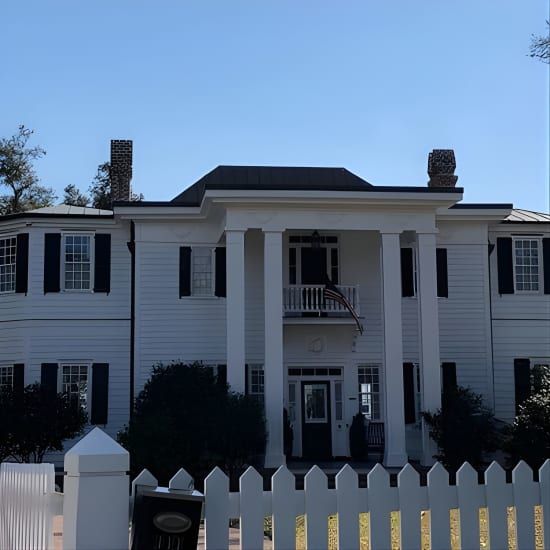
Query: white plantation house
{"x": 232, "y": 272}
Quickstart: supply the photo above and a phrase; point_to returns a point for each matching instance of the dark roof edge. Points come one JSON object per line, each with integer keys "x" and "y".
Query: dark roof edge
{"x": 482, "y": 206}
{"x": 47, "y": 215}
{"x": 523, "y": 222}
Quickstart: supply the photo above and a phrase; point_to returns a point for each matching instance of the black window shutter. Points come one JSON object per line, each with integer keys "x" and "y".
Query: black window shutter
{"x": 222, "y": 375}
{"x": 522, "y": 381}
{"x": 448, "y": 376}
{"x": 48, "y": 378}
{"x": 221, "y": 281}
{"x": 185, "y": 271}
{"x": 100, "y": 393}
{"x": 102, "y": 268}
{"x": 505, "y": 265}
{"x": 52, "y": 262}
{"x": 407, "y": 273}
{"x": 18, "y": 377}
{"x": 442, "y": 275}
{"x": 546, "y": 264}
{"x": 408, "y": 393}
{"x": 22, "y": 263}
{"x": 246, "y": 384}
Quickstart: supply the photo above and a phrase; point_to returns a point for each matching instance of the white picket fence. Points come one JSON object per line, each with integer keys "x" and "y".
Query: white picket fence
{"x": 95, "y": 505}
{"x": 28, "y": 504}
{"x": 284, "y": 503}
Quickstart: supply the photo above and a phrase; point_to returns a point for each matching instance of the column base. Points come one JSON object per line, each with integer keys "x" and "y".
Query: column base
{"x": 397, "y": 460}
{"x": 274, "y": 460}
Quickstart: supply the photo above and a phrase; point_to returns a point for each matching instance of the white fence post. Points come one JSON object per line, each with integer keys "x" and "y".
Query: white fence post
{"x": 95, "y": 506}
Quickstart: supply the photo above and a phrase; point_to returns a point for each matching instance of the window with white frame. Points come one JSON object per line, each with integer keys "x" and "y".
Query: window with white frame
{"x": 6, "y": 377}
{"x": 77, "y": 262}
{"x": 526, "y": 264}
{"x": 338, "y": 401}
{"x": 74, "y": 383}
{"x": 292, "y": 402}
{"x": 369, "y": 391}
{"x": 8, "y": 254}
{"x": 202, "y": 273}
{"x": 256, "y": 382}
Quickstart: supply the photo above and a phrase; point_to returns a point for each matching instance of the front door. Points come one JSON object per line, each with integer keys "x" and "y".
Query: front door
{"x": 316, "y": 426}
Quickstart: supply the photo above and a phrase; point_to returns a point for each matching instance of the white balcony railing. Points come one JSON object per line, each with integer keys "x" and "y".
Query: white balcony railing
{"x": 309, "y": 299}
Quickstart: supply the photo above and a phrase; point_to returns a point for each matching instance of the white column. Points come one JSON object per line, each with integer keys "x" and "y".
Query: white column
{"x": 234, "y": 241}
{"x": 395, "y": 452}
{"x": 429, "y": 336}
{"x": 273, "y": 362}
{"x": 95, "y": 505}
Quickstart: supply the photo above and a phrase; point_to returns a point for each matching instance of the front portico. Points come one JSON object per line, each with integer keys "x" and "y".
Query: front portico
{"x": 387, "y": 219}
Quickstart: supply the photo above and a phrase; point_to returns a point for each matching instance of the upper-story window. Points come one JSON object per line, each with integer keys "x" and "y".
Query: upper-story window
{"x": 311, "y": 258}
{"x": 8, "y": 254}
{"x": 202, "y": 279}
{"x": 526, "y": 264}
{"x": 77, "y": 262}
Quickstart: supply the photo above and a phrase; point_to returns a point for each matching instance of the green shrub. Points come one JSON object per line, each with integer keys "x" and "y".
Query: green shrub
{"x": 34, "y": 422}
{"x": 358, "y": 438}
{"x": 528, "y": 438}
{"x": 464, "y": 429}
{"x": 184, "y": 417}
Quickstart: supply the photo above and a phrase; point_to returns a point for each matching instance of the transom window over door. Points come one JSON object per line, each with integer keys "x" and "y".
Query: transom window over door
{"x": 8, "y": 254}
{"x": 526, "y": 264}
{"x": 77, "y": 262}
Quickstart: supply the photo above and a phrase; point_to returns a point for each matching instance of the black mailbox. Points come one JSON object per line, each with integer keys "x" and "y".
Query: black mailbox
{"x": 166, "y": 519}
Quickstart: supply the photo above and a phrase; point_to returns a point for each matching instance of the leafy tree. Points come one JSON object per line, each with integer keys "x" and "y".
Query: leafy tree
{"x": 18, "y": 176}
{"x": 540, "y": 46}
{"x": 74, "y": 197}
{"x": 33, "y": 422}
{"x": 100, "y": 189}
{"x": 528, "y": 438}
{"x": 463, "y": 428}
{"x": 185, "y": 417}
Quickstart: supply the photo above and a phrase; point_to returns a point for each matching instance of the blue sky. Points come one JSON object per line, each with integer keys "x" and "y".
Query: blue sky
{"x": 370, "y": 85}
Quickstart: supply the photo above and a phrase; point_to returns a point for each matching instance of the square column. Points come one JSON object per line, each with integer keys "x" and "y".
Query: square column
{"x": 429, "y": 337}
{"x": 273, "y": 362}
{"x": 235, "y": 310}
{"x": 395, "y": 453}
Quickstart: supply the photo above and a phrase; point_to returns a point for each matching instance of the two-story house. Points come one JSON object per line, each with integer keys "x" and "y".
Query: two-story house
{"x": 233, "y": 272}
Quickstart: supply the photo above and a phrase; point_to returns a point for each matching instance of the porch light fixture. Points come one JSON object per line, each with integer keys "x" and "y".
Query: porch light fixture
{"x": 315, "y": 239}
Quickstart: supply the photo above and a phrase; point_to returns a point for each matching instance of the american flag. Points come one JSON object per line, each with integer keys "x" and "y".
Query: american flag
{"x": 331, "y": 292}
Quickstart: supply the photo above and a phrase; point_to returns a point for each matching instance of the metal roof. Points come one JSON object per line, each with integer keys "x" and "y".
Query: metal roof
{"x": 527, "y": 216}
{"x": 61, "y": 210}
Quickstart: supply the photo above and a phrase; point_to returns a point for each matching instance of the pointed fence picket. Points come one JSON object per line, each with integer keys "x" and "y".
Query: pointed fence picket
{"x": 316, "y": 501}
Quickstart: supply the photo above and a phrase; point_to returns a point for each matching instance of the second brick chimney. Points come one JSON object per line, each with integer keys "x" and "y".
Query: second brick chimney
{"x": 121, "y": 169}
{"x": 441, "y": 168}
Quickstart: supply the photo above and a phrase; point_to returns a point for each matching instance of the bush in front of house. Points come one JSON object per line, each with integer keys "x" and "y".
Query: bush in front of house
{"x": 185, "y": 417}
{"x": 34, "y": 422}
{"x": 463, "y": 428}
{"x": 528, "y": 438}
{"x": 358, "y": 438}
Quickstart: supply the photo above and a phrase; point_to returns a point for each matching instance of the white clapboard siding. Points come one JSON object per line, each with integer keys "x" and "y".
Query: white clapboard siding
{"x": 28, "y": 503}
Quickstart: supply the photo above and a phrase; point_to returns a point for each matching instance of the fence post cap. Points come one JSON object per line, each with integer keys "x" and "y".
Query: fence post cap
{"x": 97, "y": 452}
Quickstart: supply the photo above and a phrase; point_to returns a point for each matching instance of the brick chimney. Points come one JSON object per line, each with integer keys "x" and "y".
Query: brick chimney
{"x": 121, "y": 169}
{"x": 441, "y": 168}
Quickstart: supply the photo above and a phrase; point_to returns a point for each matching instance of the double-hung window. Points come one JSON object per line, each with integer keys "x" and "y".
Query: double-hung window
{"x": 256, "y": 382}
{"x": 74, "y": 383}
{"x": 8, "y": 254}
{"x": 202, "y": 279}
{"x": 6, "y": 377}
{"x": 369, "y": 391}
{"x": 527, "y": 264}
{"x": 77, "y": 262}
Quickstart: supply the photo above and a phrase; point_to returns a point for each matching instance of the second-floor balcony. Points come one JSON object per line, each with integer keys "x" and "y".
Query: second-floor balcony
{"x": 310, "y": 301}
